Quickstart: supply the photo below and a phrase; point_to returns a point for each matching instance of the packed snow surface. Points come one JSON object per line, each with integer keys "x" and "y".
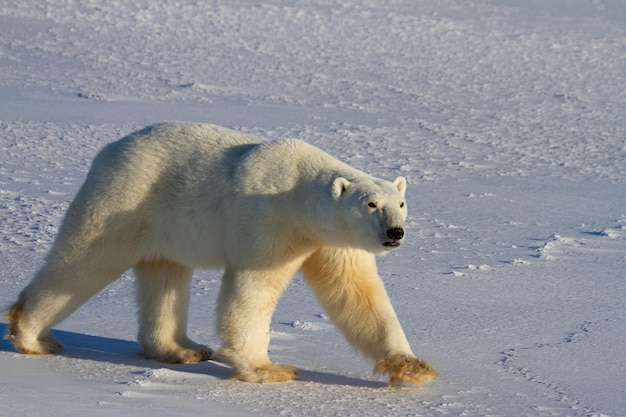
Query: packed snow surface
{"x": 506, "y": 117}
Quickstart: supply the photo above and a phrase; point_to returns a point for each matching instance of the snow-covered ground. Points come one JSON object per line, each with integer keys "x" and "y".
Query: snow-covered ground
{"x": 507, "y": 118}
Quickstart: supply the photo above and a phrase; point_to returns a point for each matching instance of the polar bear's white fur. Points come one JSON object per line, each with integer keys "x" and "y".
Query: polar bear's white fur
{"x": 176, "y": 196}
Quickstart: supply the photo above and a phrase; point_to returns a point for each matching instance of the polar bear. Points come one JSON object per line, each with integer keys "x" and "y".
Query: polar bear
{"x": 176, "y": 196}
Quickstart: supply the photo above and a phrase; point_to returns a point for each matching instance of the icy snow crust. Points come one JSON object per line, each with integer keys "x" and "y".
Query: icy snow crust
{"x": 507, "y": 118}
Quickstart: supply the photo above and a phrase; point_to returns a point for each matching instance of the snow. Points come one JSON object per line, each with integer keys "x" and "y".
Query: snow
{"x": 506, "y": 117}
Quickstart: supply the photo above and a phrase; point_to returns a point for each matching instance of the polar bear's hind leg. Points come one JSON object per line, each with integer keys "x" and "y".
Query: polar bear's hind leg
{"x": 57, "y": 290}
{"x": 163, "y": 298}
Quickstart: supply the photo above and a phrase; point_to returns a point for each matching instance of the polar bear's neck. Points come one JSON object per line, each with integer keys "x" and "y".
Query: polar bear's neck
{"x": 282, "y": 165}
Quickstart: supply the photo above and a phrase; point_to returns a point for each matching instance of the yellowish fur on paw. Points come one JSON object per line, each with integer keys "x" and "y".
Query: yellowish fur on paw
{"x": 43, "y": 345}
{"x": 184, "y": 355}
{"x": 404, "y": 368}
{"x": 267, "y": 374}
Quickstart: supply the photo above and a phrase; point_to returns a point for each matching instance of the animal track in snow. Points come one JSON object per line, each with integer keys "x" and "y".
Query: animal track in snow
{"x": 511, "y": 363}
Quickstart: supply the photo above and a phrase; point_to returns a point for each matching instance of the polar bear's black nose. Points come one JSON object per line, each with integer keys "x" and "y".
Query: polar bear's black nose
{"x": 395, "y": 233}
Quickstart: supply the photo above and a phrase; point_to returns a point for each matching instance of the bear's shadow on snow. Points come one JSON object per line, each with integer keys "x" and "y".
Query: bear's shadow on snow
{"x": 123, "y": 352}
{"x": 126, "y": 352}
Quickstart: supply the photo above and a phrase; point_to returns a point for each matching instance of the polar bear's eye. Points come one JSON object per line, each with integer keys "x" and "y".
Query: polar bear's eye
{"x": 402, "y": 204}
{"x": 371, "y": 204}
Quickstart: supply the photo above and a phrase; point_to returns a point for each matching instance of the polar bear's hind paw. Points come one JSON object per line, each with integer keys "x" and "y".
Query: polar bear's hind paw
{"x": 404, "y": 368}
{"x": 267, "y": 374}
{"x": 27, "y": 342}
{"x": 195, "y": 354}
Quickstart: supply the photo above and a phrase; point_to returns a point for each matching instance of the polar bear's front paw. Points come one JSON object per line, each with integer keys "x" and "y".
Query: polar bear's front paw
{"x": 267, "y": 373}
{"x": 404, "y": 368}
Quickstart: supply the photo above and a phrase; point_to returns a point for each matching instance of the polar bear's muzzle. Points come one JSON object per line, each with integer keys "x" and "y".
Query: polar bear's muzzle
{"x": 395, "y": 234}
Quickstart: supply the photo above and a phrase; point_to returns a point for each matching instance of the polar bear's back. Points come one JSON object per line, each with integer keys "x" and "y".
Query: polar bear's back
{"x": 173, "y": 157}
{"x": 162, "y": 147}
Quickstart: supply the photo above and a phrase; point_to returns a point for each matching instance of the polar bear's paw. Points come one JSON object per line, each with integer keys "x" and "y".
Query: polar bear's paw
{"x": 404, "y": 368}
{"x": 27, "y": 340}
{"x": 266, "y": 374}
{"x": 195, "y": 354}
{"x": 45, "y": 345}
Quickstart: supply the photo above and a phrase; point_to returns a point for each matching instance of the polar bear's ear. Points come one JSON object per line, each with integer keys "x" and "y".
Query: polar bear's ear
{"x": 339, "y": 187}
{"x": 400, "y": 184}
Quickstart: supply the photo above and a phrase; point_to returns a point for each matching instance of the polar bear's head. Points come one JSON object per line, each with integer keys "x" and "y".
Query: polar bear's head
{"x": 371, "y": 212}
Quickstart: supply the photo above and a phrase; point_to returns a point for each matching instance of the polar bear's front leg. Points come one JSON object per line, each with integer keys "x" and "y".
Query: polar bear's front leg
{"x": 245, "y": 306}
{"x": 347, "y": 284}
{"x": 163, "y": 298}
